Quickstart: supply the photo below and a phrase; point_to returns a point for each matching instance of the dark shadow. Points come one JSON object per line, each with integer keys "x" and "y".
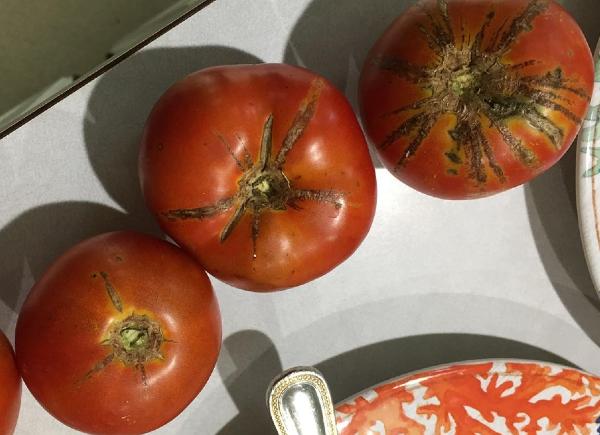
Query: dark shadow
{"x": 351, "y": 372}
{"x": 334, "y": 40}
{"x": 551, "y": 205}
{"x": 586, "y": 14}
{"x": 32, "y": 241}
{"x": 120, "y": 103}
{"x": 255, "y": 363}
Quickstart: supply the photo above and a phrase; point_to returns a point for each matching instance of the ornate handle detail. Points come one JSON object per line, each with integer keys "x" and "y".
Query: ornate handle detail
{"x": 300, "y": 403}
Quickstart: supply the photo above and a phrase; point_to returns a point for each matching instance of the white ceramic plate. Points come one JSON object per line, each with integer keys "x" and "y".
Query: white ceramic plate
{"x": 588, "y": 180}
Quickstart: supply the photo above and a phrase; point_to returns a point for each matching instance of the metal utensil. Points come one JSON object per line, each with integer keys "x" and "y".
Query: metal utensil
{"x": 300, "y": 403}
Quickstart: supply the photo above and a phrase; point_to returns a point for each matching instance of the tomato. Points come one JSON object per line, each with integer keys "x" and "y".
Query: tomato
{"x": 10, "y": 392}
{"x": 119, "y": 335}
{"x": 261, "y": 172}
{"x": 467, "y": 98}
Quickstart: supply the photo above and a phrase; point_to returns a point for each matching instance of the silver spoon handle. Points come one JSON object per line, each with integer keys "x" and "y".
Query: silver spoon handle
{"x": 300, "y": 403}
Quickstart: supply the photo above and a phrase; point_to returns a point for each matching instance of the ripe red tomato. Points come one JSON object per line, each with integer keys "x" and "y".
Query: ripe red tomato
{"x": 466, "y": 98}
{"x": 119, "y": 335}
{"x": 261, "y": 172}
{"x": 10, "y": 388}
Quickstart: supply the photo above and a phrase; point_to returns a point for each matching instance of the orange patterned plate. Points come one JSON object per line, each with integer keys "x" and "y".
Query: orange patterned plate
{"x": 491, "y": 397}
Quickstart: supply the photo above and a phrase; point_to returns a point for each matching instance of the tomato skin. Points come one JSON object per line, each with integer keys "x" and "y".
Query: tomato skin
{"x": 185, "y": 163}
{"x": 554, "y": 41}
{"x": 67, "y": 316}
{"x": 10, "y": 393}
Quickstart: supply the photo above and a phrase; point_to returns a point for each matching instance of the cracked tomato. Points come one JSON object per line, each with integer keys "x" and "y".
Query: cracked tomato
{"x": 465, "y": 98}
{"x": 10, "y": 392}
{"x": 261, "y": 172}
{"x": 119, "y": 335}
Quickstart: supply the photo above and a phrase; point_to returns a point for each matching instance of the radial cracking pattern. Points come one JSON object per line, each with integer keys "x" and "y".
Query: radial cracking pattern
{"x": 134, "y": 341}
{"x": 263, "y": 185}
{"x": 469, "y": 80}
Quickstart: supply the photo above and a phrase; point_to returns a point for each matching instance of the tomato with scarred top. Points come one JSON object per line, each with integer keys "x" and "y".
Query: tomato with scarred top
{"x": 119, "y": 335}
{"x": 261, "y": 172}
{"x": 467, "y": 98}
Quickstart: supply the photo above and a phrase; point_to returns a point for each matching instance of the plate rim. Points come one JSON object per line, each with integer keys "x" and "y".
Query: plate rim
{"x": 464, "y": 363}
{"x": 587, "y": 173}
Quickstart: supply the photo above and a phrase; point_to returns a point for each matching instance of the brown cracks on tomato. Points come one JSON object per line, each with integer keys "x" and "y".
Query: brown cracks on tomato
{"x": 134, "y": 341}
{"x": 521, "y": 24}
{"x": 263, "y": 185}
{"x": 200, "y": 212}
{"x": 470, "y": 81}
{"x": 101, "y": 365}
{"x": 112, "y": 292}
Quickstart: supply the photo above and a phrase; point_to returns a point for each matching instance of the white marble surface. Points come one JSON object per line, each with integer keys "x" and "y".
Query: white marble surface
{"x": 435, "y": 281}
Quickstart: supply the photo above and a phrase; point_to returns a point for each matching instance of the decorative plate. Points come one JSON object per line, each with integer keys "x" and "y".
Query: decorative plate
{"x": 588, "y": 180}
{"x": 491, "y": 397}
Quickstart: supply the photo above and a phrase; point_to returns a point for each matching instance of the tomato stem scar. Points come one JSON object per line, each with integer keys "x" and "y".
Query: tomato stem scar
{"x": 135, "y": 341}
{"x": 263, "y": 185}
